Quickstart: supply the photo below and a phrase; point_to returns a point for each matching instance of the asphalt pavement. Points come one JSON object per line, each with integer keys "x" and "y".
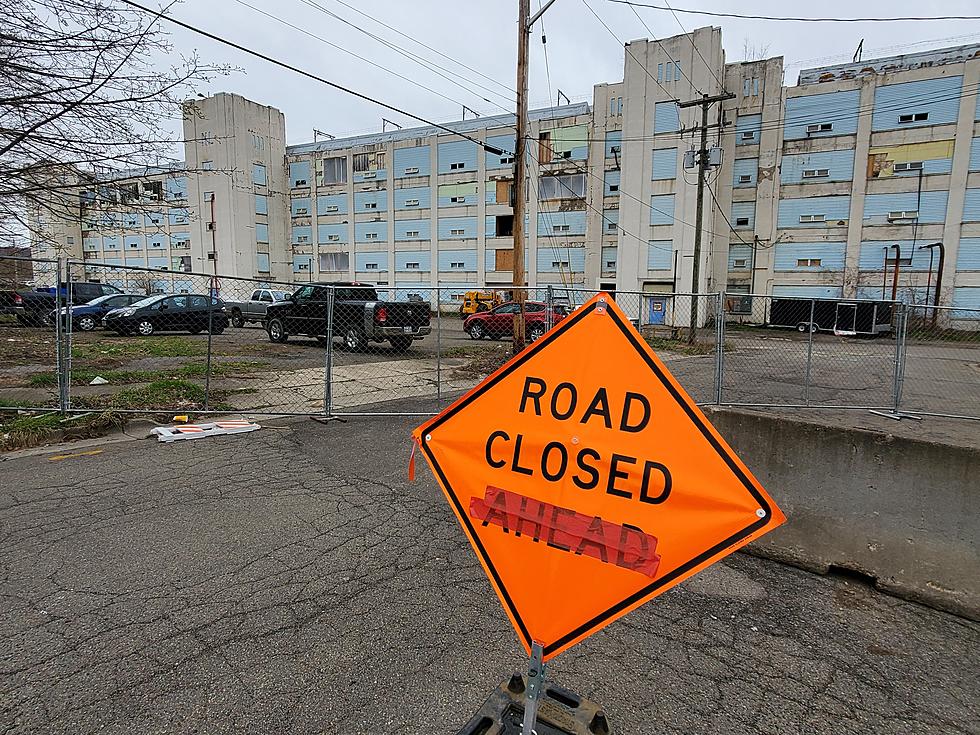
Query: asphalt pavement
{"x": 293, "y": 581}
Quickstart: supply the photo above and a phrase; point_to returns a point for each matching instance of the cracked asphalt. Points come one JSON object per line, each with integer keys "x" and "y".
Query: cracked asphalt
{"x": 293, "y": 581}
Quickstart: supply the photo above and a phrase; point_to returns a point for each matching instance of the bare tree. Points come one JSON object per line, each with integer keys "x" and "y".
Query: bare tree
{"x": 754, "y": 52}
{"x": 88, "y": 89}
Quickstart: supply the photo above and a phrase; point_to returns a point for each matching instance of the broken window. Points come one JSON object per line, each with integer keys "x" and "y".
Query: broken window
{"x": 504, "y": 225}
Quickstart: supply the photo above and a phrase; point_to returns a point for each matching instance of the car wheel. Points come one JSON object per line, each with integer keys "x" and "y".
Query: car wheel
{"x": 144, "y": 327}
{"x": 86, "y": 323}
{"x": 354, "y": 340}
{"x": 536, "y": 332}
{"x": 400, "y": 344}
{"x": 277, "y": 331}
{"x": 477, "y": 331}
{"x": 237, "y": 320}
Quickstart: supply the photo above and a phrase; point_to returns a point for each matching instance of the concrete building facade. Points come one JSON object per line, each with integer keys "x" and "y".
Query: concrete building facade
{"x": 819, "y": 187}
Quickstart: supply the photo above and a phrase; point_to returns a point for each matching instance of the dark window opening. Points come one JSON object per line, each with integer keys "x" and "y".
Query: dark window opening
{"x": 504, "y": 225}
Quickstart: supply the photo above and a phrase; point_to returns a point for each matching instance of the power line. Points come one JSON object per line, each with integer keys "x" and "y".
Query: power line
{"x": 426, "y": 63}
{"x": 310, "y": 75}
{"x": 349, "y": 52}
{"x": 796, "y": 19}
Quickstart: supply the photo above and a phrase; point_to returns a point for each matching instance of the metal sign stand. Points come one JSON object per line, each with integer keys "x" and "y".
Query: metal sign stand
{"x": 535, "y": 684}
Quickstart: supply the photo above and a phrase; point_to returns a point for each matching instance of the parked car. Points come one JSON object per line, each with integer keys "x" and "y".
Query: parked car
{"x": 169, "y": 313}
{"x": 33, "y": 307}
{"x": 86, "y": 317}
{"x": 499, "y": 321}
{"x": 359, "y": 316}
{"x": 253, "y": 310}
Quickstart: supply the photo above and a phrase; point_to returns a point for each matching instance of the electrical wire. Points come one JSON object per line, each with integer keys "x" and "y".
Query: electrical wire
{"x": 297, "y": 70}
{"x": 797, "y": 19}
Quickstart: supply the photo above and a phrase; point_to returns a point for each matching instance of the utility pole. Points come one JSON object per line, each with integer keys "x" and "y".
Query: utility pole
{"x": 520, "y": 173}
{"x": 703, "y": 163}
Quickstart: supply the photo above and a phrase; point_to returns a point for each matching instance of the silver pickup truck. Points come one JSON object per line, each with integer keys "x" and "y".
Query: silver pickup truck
{"x": 253, "y": 310}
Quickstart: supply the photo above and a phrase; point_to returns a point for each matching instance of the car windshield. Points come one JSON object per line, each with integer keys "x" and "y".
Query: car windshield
{"x": 100, "y": 299}
{"x": 279, "y": 295}
{"x": 147, "y": 301}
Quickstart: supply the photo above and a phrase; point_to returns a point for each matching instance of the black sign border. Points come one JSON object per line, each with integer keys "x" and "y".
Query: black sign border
{"x": 601, "y": 618}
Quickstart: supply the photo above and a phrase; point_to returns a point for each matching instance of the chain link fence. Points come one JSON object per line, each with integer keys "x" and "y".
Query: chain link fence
{"x": 79, "y": 336}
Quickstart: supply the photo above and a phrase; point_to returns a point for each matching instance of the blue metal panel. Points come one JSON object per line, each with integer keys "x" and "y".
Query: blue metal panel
{"x": 261, "y": 204}
{"x": 971, "y": 206}
{"x": 743, "y": 211}
{"x": 611, "y": 179}
{"x": 745, "y": 167}
{"x": 133, "y": 242}
{"x": 490, "y": 226}
{"x": 258, "y": 174}
{"x": 300, "y": 207}
{"x": 111, "y": 242}
{"x": 156, "y": 242}
{"x": 179, "y": 216}
{"x": 325, "y": 204}
{"x": 363, "y": 229}
{"x": 365, "y": 258}
{"x": 937, "y": 98}
{"x": 660, "y": 255}
{"x": 666, "y": 117}
{"x": 968, "y": 255}
{"x": 408, "y": 159}
{"x": 131, "y": 221}
{"x": 404, "y": 257}
{"x": 448, "y": 224}
{"x": 176, "y": 239}
{"x": 158, "y": 262}
{"x": 91, "y": 243}
{"x": 745, "y": 125}
{"x": 871, "y": 256}
{"x": 262, "y": 262}
{"x": 830, "y": 255}
{"x": 176, "y": 188}
{"x": 808, "y": 292}
{"x": 560, "y": 259}
{"x": 742, "y": 253}
{"x": 302, "y": 263}
{"x": 839, "y": 165}
{"x": 838, "y": 109}
{"x": 662, "y": 209}
{"x": 326, "y": 234}
{"x": 261, "y": 232}
{"x": 153, "y": 219}
{"x": 379, "y": 198}
{"x": 975, "y": 154}
{"x": 664, "y": 164}
{"x": 834, "y": 209}
{"x": 931, "y": 207}
{"x": 137, "y": 259}
{"x": 506, "y": 143}
{"x": 470, "y": 195}
{"x": 614, "y": 139}
{"x": 466, "y": 257}
{"x": 421, "y": 193}
{"x": 403, "y": 228}
{"x": 456, "y": 152}
{"x": 299, "y": 233}
{"x": 299, "y": 174}
{"x": 554, "y": 223}
{"x": 608, "y": 255}
{"x": 376, "y": 175}
{"x": 610, "y": 221}
{"x": 966, "y": 297}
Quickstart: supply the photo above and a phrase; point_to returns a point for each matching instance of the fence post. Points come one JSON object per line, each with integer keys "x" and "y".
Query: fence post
{"x": 328, "y": 359}
{"x": 901, "y": 331}
{"x": 550, "y": 298}
{"x": 68, "y": 334}
{"x": 207, "y": 370}
{"x": 438, "y": 344}
{"x": 809, "y": 354}
{"x": 59, "y": 347}
{"x": 719, "y": 347}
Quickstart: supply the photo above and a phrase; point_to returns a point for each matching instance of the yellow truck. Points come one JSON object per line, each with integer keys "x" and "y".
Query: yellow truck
{"x": 476, "y": 301}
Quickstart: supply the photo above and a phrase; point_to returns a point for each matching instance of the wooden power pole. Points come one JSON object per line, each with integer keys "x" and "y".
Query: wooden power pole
{"x": 703, "y": 164}
{"x": 520, "y": 169}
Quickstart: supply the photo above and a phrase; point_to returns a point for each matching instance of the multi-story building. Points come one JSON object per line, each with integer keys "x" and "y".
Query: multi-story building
{"x": 820, "y": 187}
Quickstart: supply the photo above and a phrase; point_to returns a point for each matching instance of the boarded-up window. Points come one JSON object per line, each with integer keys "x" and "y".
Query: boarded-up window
{"x": 504, "y": 260}
{"x": 503, "y": 191}
{"x": 544, "y": 148}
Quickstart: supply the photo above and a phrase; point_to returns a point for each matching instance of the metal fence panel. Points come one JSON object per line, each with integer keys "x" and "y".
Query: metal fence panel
{"x": 941, "y": 362}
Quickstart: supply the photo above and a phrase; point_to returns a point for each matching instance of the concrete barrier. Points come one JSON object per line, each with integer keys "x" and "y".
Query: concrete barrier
{"x": 903, "y": 511}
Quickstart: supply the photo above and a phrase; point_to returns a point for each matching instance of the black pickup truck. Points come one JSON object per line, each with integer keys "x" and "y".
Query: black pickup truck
{"x": 33, "y": 308}
{"x": 359, "y": 316}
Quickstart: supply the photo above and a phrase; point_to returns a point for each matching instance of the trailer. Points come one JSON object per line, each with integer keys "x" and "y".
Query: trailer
{"x": 842, "y": 317}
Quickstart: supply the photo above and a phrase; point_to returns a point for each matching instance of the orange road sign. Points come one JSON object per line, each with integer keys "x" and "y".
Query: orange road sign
{"x": 588, "y": 481}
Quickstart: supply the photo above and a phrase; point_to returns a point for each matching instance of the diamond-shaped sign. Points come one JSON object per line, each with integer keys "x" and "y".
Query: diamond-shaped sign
{"x": 588, "y": 481}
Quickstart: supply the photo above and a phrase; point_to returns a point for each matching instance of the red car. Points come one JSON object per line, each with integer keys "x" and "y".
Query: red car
{"x": 499, "y": 321}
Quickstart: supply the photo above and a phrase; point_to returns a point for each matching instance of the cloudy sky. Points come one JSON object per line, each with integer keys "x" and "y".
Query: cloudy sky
{"x": 482, "y": 36}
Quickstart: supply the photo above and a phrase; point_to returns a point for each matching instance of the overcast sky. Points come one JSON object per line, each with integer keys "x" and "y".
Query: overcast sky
{"x": 482, "y": 35}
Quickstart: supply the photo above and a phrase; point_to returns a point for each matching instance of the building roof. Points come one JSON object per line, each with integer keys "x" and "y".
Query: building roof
{"x": 462, "y": 126}
{"x": 902, "y": 62}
